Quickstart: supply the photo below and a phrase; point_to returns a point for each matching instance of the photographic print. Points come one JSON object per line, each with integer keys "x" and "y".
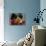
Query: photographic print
{"x": 17, "y": 19}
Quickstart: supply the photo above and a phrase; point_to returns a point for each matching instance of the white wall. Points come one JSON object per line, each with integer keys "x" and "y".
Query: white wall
{"x": 43, "y": 6}
{"x": 1, "y": 21}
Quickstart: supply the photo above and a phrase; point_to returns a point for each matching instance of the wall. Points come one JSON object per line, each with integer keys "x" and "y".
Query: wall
{"x": 28, "y": 7}
{"x": 43, "y": 6}
{"x": 1, "y": 21}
